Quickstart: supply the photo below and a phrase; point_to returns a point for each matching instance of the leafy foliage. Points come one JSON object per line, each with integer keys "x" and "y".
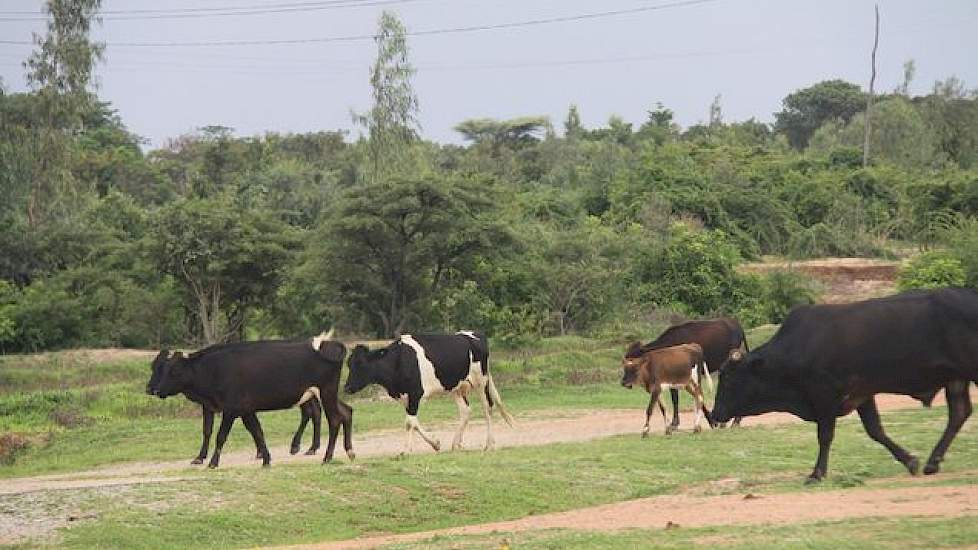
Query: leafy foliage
{"x": 932, "y": 270}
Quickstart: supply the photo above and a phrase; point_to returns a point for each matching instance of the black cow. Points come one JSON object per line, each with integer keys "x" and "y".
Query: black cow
{"x": 828, "y": 360}
{"x": 417, "y": 367}
{"x": 717, "y": 337}
{"x": 310, "y": 410}
{"x": 243, "y": 378}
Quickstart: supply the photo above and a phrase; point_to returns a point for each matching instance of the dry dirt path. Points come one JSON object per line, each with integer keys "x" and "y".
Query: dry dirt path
{"x": 691, "y": 511}
{"x": 575, "y": 427}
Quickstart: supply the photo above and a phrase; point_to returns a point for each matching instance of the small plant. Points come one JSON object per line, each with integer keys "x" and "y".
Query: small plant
{"x": 932, "y": 270}
{"x": 11, "y": 446}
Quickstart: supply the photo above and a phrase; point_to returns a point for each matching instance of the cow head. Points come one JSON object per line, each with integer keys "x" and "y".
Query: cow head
{"x": 156, "y": 370}
{"x": 754, "y": 384}
{"x": 360, "y": 375}
{"x": 176, "y": 375}
{"x": 632, "y": 371}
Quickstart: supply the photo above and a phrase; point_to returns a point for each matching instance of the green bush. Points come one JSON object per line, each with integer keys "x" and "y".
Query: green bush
{"x": 787, "y": 290}
{"x": 932, "y": 270}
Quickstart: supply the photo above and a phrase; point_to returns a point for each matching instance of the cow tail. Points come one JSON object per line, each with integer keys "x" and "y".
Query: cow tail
{"x": 493, "y": 394}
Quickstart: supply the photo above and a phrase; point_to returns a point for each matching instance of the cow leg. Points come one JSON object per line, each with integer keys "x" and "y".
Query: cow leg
{"x": 870, "y": 416}
{"x": 675, "y": 410}
{"x": 227, "y": 420}
{"x": 736, "y": 420}
{"x": 697, "y": 394}
{"x": 347, "y": 412}
{"x": 958, "y": 410}
{"x": 208, "y": 417}
{"x": 334, "y": 419}
{"x": 413, "y": 425}
{"x": 464, "y": 412}
{"x": 653, "y": 399}
{"x": 826, "y": 432}
{"x": 314, "y": 413}
{"x": 305, "y": 416}
{"x": 254, "y": 428}
{"x": 487, "y": 411}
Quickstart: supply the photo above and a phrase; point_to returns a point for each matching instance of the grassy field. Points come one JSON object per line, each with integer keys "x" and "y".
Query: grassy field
{"x": 74, "y": 413}
{"x": 80, "y": 415}
{"x": 862, "y": 534}
{"x": 309, "y": 502}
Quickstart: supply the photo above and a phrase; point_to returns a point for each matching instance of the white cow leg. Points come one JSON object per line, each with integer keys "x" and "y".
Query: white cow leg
{"x": 464, "y": 412}
{"x": 698, "y": 404}
{"x": 408, "y": 435}
{"x": 487, "y": 410}
{"x": 430, "y": 439}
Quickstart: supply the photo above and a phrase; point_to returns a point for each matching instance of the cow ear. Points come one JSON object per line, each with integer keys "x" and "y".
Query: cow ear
{"x": 333, "y": 351}
{"x": 177, "y": 355}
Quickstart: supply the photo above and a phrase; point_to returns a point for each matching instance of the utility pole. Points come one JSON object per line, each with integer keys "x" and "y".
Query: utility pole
{"x": 869, "y": 98}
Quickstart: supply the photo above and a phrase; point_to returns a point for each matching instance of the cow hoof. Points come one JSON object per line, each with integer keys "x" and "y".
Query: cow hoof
{"x": 310, "y": 452}
{"x": 913, "y": 466}
{"x": 812, "y": 480}
{"x": 266, "y": 464}
{"x": 351, "y": 455}
{"x": 697, "y": 429}
{"x": 212, "y": 466}
{"x": 197, "y": 460}
{"x": 293, "y": 449}
{"x": 645, "y": 435}
{"x": 932, "y": 468}
{"x": 669, "y": 430}
{"x": 436, "y": 446}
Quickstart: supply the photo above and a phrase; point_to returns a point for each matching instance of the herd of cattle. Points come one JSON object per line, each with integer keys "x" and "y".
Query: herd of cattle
{"x": 824, "y": 362}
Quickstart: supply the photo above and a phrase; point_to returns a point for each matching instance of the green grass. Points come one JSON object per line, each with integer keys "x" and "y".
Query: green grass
{"x": 80, "y": 414}
{"x": 309, "y": 502}
{"x": 860, "y": 534}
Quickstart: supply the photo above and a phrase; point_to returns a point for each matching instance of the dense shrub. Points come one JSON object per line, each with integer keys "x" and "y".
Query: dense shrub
{"x": 932, "y": 270}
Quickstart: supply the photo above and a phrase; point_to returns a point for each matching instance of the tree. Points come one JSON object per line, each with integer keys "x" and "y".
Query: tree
{"x": 60, "y": 73}
{"x": 572, "y": 124}
{"x": 716, "y": 112}
{"x": 227, "y": 260}
{"x": 805, "y": 110}
{"x": 909, "y": 71}
{"x": 898, "y": 135}
{"x": 387, "y": 248}
{"x": 513, "y": 133}
{"x": 392, "y": 122}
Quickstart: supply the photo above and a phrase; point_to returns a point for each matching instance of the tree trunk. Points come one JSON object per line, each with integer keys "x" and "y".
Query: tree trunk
{"x": 869, "y": 97}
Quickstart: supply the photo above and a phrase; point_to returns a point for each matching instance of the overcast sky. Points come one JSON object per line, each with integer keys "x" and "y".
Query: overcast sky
{"x": 752, "y": 52}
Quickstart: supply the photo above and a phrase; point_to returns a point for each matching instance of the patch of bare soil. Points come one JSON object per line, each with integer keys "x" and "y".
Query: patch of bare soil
{"x": 678, "y": 511}
{"x": 845, "y": 279}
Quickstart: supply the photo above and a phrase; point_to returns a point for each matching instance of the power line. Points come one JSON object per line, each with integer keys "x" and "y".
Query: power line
{"x": 197, "y": 13}
{"x": 429, "y": 32}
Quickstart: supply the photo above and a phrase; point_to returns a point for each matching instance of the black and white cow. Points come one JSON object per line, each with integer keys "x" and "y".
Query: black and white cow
{"x": 416, "y": 367}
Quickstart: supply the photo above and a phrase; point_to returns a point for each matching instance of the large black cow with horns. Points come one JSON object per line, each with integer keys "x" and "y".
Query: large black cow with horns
{"x": 829, "y": 360}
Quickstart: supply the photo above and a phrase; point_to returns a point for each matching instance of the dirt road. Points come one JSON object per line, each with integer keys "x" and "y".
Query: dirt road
{"x": 690, "y": 511}
{"x": 576, "y": 426}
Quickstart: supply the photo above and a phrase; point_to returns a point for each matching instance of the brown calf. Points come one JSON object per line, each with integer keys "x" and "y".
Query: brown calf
{"x": 670, "y": 368}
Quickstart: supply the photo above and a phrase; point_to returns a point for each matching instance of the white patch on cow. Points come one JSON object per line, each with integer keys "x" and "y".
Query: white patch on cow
{"x": 672, "y": 386}
{"x": 429, "y": 382}
{"x": 318, "y": 340}
{"x": 468, "y": 333}
{"x": 310, "y": 392}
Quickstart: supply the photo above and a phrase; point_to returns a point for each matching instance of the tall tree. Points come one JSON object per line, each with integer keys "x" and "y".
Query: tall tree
{"x": 716, "y": 112}
{"x": 868, "y": 113}
{"x": 387, "y": 248}
{"x": 392, "y": 122}
{"x": 60, "y": 73}
{"x": 572, "y": 124}
{"x": 805, "y": 110}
